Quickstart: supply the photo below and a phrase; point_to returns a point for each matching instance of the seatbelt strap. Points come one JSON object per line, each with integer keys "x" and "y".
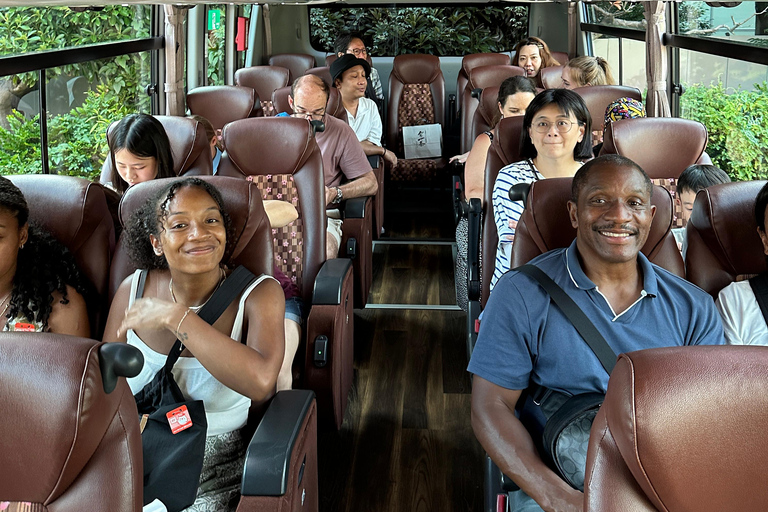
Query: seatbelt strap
{"x": 759, "y": 286}
{"x": 575, "y": 315}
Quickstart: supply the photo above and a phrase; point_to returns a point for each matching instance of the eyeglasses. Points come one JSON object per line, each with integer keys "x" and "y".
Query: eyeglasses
{"x": 562, "y": 125}
{"x": 358, "y": 51}
{"x": 317, "y": 115}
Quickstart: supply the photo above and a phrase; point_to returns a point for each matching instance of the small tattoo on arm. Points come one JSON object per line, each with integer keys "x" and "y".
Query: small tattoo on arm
{"x": 182, "y": 336}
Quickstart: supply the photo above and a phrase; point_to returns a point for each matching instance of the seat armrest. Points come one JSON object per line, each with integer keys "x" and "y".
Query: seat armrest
{"x": 267, "y": 461}
{"x": 330, "y": 280}
{"x": 355, "y": 208}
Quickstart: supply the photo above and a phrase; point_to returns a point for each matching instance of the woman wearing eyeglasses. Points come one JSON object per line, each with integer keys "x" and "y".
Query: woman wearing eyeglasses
{"x": 556, "y": 137}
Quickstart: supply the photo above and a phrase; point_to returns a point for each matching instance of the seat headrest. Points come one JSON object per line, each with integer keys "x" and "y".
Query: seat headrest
{"x": 662, "y": 146}
{"x": 75, "y": 211}
{"x": 222, "y": 104}
{"x": 262, "y": 79}
{"x": 689, "y": 423}
{"x": 324, "y": 72}
{"x": 296, "y": 63}
{"x": 474, "y": 60}
{"x": 723, "y": 243}
{"x": 55, "y": 412}
{"x": 251, "y": 144}
{"x": 489, "y": 76}
{"x": 551, "y": 77}
{"x": 416, "y": 68}
{"x": 598, "y": 97}
{"x": 250, "y": 242}
{"x": 560, "y": 57}
{"x": 488, "y": 107}
{"x": 545, "y": 225}
{"x": 509, "y": 131}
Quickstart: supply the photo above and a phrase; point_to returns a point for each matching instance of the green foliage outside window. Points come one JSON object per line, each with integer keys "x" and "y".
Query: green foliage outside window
{"x": 77, "y": 142}
{"x": 438, "y": 31}
{"x": 735, "y": 120}
{"x": 216, "y": 49}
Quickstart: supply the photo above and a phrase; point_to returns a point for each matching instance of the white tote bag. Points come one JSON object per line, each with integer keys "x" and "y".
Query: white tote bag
{"x": 424, "y": 141}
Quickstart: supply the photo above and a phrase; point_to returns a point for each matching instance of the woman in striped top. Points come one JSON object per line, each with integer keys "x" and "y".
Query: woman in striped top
{"x": 556, "y": 138}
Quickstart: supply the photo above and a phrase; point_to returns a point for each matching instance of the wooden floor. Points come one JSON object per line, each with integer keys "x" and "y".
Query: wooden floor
{"x": 406, "y": 443}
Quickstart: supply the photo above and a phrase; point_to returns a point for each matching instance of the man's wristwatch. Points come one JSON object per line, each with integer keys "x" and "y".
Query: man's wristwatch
{"x": 339, "y": 196}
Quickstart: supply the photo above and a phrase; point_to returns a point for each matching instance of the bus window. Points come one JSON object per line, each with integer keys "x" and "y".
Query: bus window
{"x": 441, "y": 31}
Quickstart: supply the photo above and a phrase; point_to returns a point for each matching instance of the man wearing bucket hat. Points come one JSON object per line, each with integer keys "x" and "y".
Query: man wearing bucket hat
{"x": 350, "y": 77}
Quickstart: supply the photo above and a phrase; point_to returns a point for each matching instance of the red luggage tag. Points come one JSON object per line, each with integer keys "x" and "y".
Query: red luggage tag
{"x": 179, "y": 419}
{"x": 23, "y": 327}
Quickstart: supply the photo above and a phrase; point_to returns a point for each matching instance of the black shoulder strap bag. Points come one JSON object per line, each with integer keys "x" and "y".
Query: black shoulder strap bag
{"x": 559, "y": 423}
{"x": 759, "y": 285}
{"x": 173, "y": 428}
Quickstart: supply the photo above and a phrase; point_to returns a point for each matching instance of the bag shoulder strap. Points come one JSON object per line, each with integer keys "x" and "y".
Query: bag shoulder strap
{"x": 575, "y": 315}
{"x": 759, "y": 285}
{"x": 231, "y": 288}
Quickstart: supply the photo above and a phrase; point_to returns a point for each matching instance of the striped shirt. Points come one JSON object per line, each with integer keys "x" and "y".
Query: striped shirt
{"x": 506, "y": 213}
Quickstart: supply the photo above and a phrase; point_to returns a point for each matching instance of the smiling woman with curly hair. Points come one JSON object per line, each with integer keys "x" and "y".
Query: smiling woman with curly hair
{"x": 41, "y": 288}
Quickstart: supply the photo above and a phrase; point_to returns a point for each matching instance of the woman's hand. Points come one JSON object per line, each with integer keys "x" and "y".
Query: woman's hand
{"x": 151, "y": 314}
{"x": 459, "y": 158}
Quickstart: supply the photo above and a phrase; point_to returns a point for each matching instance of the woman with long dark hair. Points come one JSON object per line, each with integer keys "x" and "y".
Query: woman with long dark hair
{"x": 140, "y": 151}
{"x": 41, "y": 288}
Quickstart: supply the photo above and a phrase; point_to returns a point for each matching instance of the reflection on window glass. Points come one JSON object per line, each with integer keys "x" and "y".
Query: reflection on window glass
{"x": 746, "y": 23}
{"x": 83, "y": 100}
{"x": 441, "y": 31}
{"x": 30, "y": 29}
{"x": 630, "y": 15}
{"x": 215, "y": 48}
{"x": 730, "y": 98}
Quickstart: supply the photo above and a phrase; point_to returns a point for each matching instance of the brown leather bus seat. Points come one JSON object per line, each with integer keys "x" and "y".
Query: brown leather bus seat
{"x": 295, "y": 174}
{"x": 475, "y": 60}
{"x": 334, "y": 107}
{"x": 190, "y": 147}
{"x": 296, "y": 63}
{"x": 681, "y": 429}
{"x": 324, "y": 72}
{"x": 598, "y": 97}
{"x": 662, "y": 146}
{"x": 504, "y": 150}
{"x": 416, "y": 97}
{"x": 480, "y": 78}
{"x": 68, "y": 445}
{"x": 222, "y": 104}
{"x": 75, "y": 211}
{"x": 560, "y": 57}
{"x": 546, "y": 225}
{"x": 264, "y": 80}
{"x": 551, "y": 77}
{"x": 723, "y": 244}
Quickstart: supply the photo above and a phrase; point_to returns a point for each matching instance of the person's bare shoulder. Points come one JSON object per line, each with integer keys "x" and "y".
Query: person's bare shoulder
{"x": 70, "y": 317}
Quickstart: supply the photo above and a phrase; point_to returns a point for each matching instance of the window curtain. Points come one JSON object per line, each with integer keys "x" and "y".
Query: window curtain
{"x": 573, "y": 29}
{"x": 174, "y": 60}
{"x": 657, "y": 102}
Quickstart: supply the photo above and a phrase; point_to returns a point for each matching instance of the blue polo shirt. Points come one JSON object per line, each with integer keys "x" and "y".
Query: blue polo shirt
{"x": 524, "y": 337}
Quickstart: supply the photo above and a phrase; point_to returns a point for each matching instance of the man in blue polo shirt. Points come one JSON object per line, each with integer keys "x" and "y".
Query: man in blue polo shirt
{"x": 525, "y": 338}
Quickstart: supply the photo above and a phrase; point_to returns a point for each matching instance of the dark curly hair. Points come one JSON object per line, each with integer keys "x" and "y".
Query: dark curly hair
{"x": 148, "y": 220}
{"x": 43, "y": 265}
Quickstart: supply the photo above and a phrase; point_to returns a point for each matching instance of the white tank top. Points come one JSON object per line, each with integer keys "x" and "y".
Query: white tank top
{"x": 226, "y": 410}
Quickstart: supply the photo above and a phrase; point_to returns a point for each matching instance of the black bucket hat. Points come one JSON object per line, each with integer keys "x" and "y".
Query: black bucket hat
{"x": 346, "y": 62}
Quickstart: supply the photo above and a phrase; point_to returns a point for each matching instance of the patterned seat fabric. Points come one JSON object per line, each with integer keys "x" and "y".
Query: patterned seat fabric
{"x": 671, "y": 185}
{"x": 287, "y": 241}
{"x": 416, "y": 109}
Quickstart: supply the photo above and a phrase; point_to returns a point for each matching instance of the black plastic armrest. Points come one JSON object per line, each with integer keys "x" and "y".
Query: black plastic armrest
{"x": 355, "y": 208}
{"x": 330, "y": 280}
{"x": 374, "y": 161}
{"x": 268, "y": 457}
{"x": 473, "y": 249}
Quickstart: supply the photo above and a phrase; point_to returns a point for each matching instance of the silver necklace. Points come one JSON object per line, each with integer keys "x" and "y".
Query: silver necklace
{"x": 195, "y": 309}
